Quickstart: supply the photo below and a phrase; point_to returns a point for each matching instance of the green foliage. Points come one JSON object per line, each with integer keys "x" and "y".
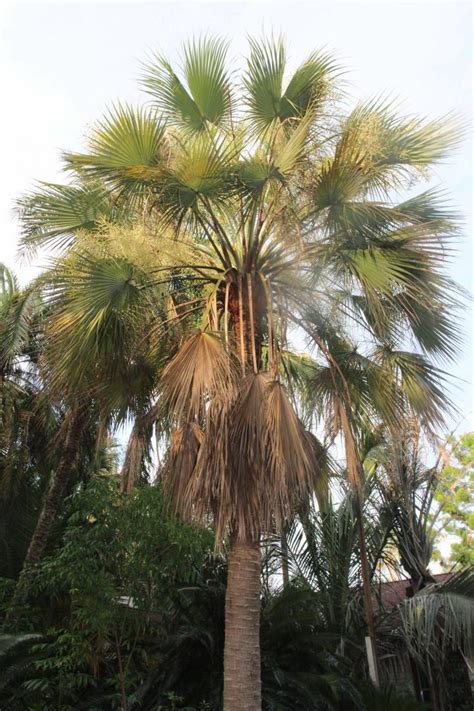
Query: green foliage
{"x": 388, "y": 698}
{"x": 125, "y": 147}
{"x": 52, "y": 215}
{"x": 108, "y": 539}
{"x": 131, "y": 595}
{"x": 455, "y": 497}
{"x": 108, "y": 589}
{"x": 205, "y": 101}
{"x": 16, "y": 659}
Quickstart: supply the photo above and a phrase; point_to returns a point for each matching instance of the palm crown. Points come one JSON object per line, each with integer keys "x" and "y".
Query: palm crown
{"x": 265, "y": 209}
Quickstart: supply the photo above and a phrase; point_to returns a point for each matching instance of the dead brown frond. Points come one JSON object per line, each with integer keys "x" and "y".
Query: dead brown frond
{"x": 272, "y": 462}
{"x": 255, "y": 461}
{"x": 209, "y": 489}
{"x": 180, "y": 465}
{"x": 201, "y": 370}
{"x": 136, "y": 449}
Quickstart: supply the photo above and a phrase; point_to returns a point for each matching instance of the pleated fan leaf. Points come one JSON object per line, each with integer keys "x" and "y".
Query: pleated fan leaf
{"x": 201, "y": 369}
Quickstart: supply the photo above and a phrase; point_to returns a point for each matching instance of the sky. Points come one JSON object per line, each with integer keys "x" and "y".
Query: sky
{"x": 63, "y": 63}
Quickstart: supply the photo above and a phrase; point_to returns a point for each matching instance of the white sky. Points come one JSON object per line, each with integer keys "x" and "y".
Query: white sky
{"x": 63, "y": 63}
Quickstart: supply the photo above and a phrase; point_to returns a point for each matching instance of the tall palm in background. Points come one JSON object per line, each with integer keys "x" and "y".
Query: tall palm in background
{"x": 40, "y": 436}
{"x": 28, "y": 423}
{"x": 267, "y": 212}
{"x": 359, "y": 396}
{"x": 437, "y": 618}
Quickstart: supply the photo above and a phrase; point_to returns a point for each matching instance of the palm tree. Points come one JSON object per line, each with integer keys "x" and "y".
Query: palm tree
{"x": 28, "y": 422}
{"x": 432, "y": 612}
{"x": 324, "y": 553}
{"x": 408, "y": 486}
{"x": 94, "y": 390}
{"x": 271, "y": 211}
{"x": 359, "y": 394}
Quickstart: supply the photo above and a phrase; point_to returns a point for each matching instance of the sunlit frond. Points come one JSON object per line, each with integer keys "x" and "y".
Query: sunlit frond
{"x": 264, "y": 80}
{"x": 126, "y": 149}
{"x": 95, "y": 302}
{"x": 266, "y": 98}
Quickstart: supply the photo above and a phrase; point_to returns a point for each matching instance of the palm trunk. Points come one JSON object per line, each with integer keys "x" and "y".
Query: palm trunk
{"x": 367, "y": 591}
{"x": 356, "y": 477}
{"x": 242, "y": 682}
{"x": 242, "y": 678}
{"x": 47, "y": 517}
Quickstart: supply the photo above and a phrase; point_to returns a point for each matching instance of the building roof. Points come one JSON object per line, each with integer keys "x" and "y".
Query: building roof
{"x": 394, "y": 591}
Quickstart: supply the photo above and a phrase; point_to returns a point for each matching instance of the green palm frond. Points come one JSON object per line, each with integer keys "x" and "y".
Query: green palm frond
{"x": 267, "y": 101}
{"x": 376, "y": 151}
{"x": 126, "y": 148}
{"x": 290, "y": 153}
{"x": 430, "y": 206}
{"x": 256, "y": 172}
{"x": 205, "y": 98}
{"x": 199, "y": 171}
{"x": 53, "y": 214}
{"x": 379, "y": 140}
{"x": 264, "y": 81}
{"x": 16, "y": 324}
{"x": 206, "y": 76}
{"x": 96, "y": 301}
{"x": 396, "y": 284}
{"x": 422, "y": 383}
{"x": 8, "y": 284}
{"x": 310, "y": 85}
{"x": 434, "y": 325}
{"x": 344, "y": 377}
{"x": 440, "y": 617}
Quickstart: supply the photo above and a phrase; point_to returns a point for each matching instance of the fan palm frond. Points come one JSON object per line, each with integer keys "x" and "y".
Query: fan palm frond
{"x": 266, "y": 99}
{"x": 203, "y": 99}
{"x": 53, "y": 214}
{"x": 126, "y": 149}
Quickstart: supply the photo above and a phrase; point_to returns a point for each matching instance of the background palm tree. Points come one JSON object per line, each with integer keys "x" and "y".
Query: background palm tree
{"x": 270, "y": 211}
{"x": 28, "y": 421}
{"x": 408, "y": 486}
